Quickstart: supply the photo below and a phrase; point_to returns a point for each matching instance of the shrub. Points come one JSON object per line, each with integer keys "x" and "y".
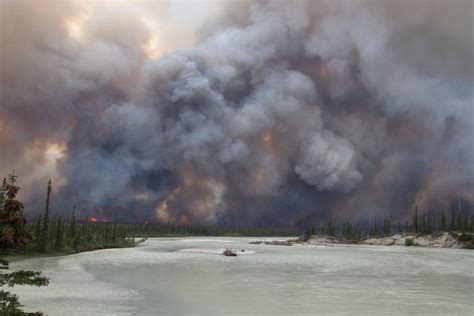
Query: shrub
{"x": 409, "y": 242}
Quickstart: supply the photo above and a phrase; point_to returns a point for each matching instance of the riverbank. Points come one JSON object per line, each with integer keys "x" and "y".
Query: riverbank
{"x": 437, "y": 240}
{"x": 31, "y": 255}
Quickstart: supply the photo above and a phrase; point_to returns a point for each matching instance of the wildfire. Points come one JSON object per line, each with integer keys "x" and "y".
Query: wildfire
{"x": 195, "y": 198}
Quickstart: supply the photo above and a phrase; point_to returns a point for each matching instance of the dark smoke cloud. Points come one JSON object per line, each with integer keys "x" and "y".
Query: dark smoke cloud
{"x": 276, "y": 112}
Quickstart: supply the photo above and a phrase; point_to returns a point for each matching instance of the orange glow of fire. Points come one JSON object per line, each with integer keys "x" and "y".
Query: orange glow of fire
{"x": 203, "y": 196}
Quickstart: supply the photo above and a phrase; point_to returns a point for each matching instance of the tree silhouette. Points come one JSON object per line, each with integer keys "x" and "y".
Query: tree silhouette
{"x": 13, "y": 234}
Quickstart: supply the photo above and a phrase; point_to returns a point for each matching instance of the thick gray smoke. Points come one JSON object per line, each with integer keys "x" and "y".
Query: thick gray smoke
{"x": 281, "y": 112}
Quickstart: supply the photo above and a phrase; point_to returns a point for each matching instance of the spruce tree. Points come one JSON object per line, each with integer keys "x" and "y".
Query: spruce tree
{"x": 12, "y": 223}
{"x": 13, "y": 234}
{"x": 424, "y": 229}
{"x": 37, "y": 231}
{"x": 331, "y": 230}
{"x": 52, "y": 231}
{"x": 444, "y": 223}
{"x": 465, "y": 224}
{"x": 72, "y": 227}
{"x": 43, "y": 240}
{"x": 452, "y": 226}
{"x": 416, "y": 228}
{"x": 3, "y": 189}
{"x": 376, "y": 229}
{"x": 59, "y": 235}
{"x": 459, "y": 221}
{"x": 313, "y": 230}
{"x": 429, "y": 224}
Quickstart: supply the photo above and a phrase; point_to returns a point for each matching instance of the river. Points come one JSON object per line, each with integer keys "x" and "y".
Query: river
{"x": 188, "y": 276}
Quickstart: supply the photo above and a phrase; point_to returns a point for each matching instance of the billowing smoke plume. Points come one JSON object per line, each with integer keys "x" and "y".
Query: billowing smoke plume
{"x": 260, "y": 112}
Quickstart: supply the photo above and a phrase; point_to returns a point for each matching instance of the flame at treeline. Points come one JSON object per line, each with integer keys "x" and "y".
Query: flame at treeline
{"x": 238, "y": 113}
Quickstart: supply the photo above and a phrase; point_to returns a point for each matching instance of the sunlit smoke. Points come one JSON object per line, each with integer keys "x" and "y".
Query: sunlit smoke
{"x": 151, "y": 47}
{"x": 74, "y": 24}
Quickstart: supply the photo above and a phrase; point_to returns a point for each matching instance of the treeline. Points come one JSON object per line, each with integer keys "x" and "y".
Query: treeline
{"x": 175, "y": 230}
{"x": 424, "y": 223}
{"x": 53, "y": 235}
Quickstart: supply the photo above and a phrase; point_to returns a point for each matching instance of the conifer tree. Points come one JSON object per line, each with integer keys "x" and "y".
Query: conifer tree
{"x": 416, "y": 228}
{"x": 399, "y": 227}
{"x": 72, "y": 227}
{"x": 37, "y": 231}
{"x": 424, "y": 229}
{"x": 376, "y": 229}
{"x": 330, "y": 229}
{"x": 59, "y": 235}
{"x": 12, "y": 222}
{"x": 429, "y": 223}
{"x": 13, "y": 234}
{"x": 465, "y": 224}
{"x": 349, "y": 230}
{"x": 313, "y": 229}
{"x": 444, "y": 223}
{"x": 452, "y": 226}
{"x": 3, "y": 189}
{"x": 52, "y": 231}
{"x": 459, "y": 221}
{"x": 43, "y": 240}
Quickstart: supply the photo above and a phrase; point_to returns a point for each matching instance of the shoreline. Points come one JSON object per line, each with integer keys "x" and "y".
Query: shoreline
{"x": 436, "y": 240}
{"x": 25, "y": 256}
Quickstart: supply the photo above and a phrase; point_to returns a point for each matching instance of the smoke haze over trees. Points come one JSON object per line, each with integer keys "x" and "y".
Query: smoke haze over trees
{"x": 245, "y": 113}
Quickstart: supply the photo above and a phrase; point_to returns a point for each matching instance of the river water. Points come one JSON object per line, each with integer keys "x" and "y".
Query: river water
{"x": 189, "y": 276}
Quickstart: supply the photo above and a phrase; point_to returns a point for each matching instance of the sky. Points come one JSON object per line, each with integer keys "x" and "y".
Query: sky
{"x": 244, "y": 113}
